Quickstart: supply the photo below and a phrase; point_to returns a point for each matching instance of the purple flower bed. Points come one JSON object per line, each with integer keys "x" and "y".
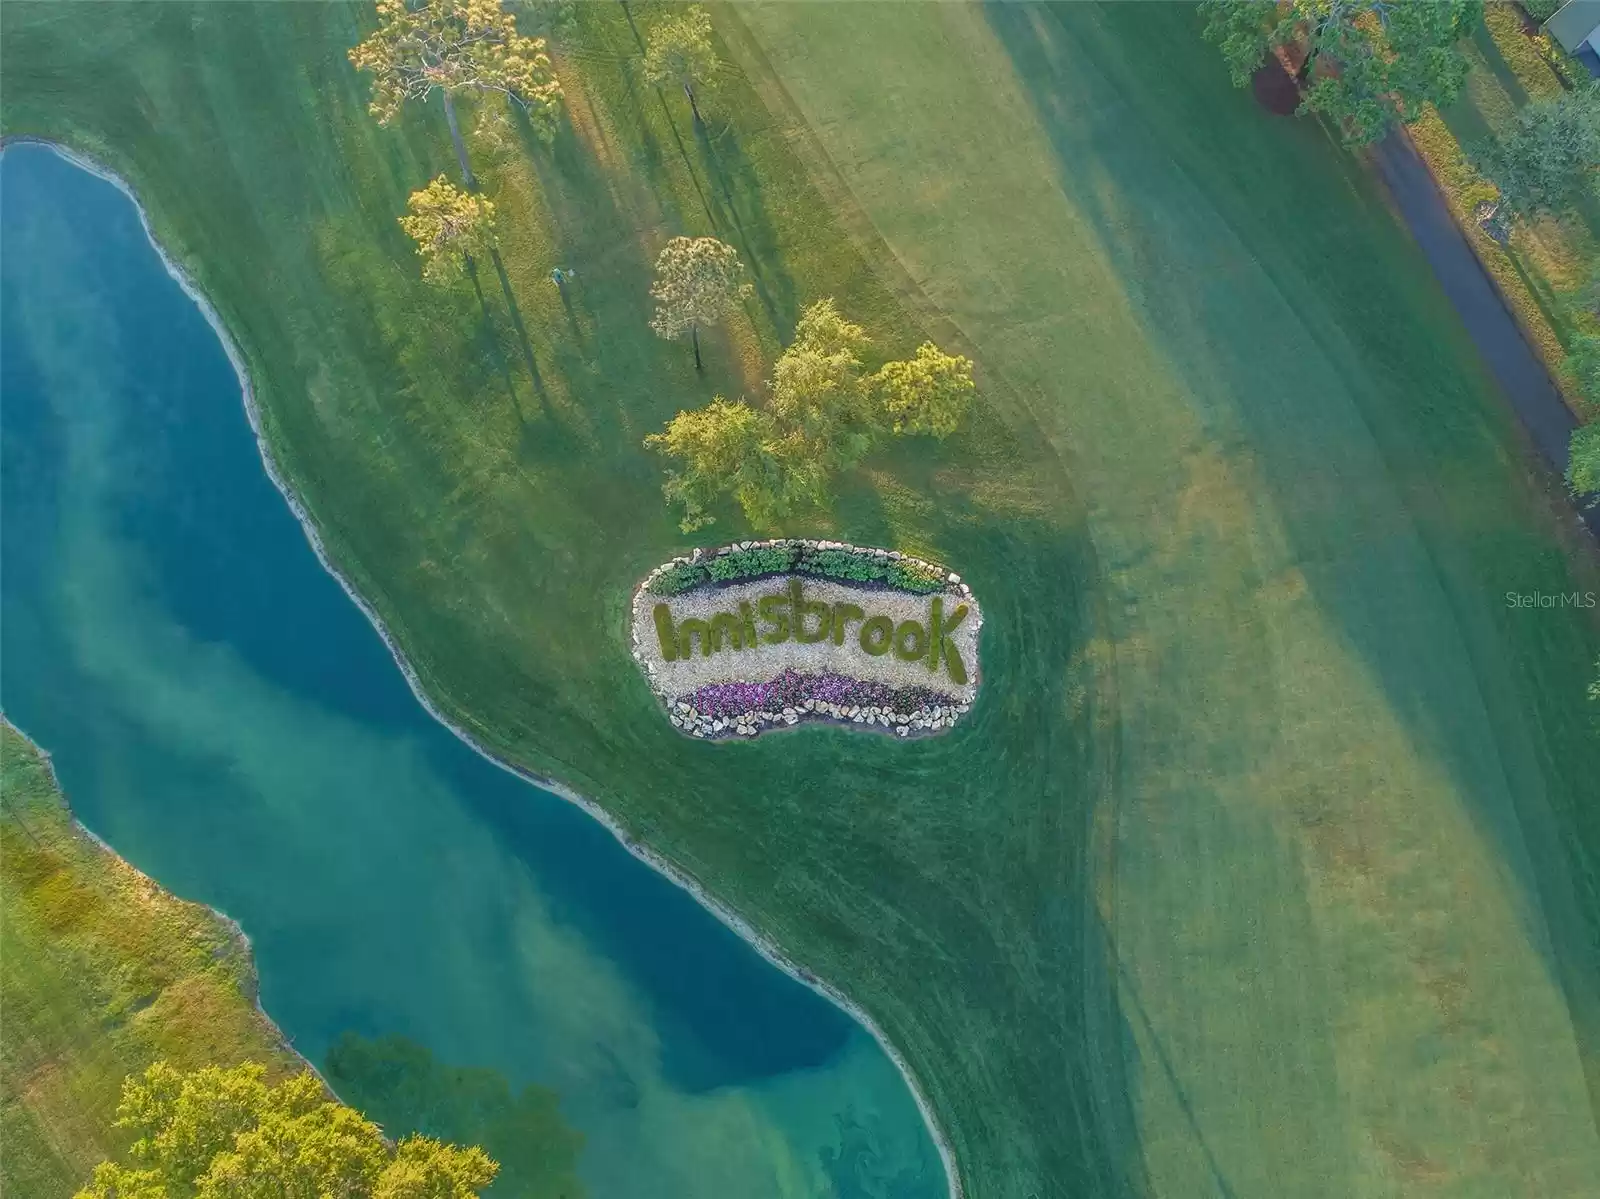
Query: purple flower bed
{"x": 791, "y": 689}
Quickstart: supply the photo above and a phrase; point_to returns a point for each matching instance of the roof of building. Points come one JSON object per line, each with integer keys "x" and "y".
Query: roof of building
{"x": 1574, "y": 23}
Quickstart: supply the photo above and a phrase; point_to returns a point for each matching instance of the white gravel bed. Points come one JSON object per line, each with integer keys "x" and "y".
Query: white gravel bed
{"x": 765, "y": 660}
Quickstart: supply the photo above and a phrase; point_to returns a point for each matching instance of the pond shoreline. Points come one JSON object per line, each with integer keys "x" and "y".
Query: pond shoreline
{"x": 235, "y": 930}
{"x": 761, "y": 943}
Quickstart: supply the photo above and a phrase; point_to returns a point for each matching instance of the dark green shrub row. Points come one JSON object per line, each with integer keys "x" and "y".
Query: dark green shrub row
{"x": 908, "y": 576}
{"x": 753, "y": 563}
{"x": 678, "y": 578}
{"x": 868, "y": 568}
{"x": 842, "y": 564}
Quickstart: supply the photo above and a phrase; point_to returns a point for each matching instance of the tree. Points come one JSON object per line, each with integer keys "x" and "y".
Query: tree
{"x": 1381, "y": 60}
{"x": 226, "y": 1134}
{"x": 825, "y": 414}
{"x": 818, "y": 392}
{"x": 680, "y": 52}
{"x": 931, "y": 393}
{"x": 1551, "y": 159}
{"x": 449, "y": 226}
{"x": 698, "y": 282}
{"x": 1583, "y": 462}
{"x": 733, "y": 449}
{"x": 450, "y": 46}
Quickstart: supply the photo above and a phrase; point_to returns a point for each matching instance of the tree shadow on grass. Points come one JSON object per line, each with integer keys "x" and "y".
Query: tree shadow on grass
{"x": 688, "y": 162}
{"x": 514, "y": 310}
{"x": 1128, "y": 994}
{"x": 1497, "y": 65}
{"x": 619, "y": 382}
{"x": 858, "y": 508}
{"x": 651, "y": 155}
{"x": 741, "y": 205}
{"x": 491, "y": 340}
{"x": 1379, "y": 483}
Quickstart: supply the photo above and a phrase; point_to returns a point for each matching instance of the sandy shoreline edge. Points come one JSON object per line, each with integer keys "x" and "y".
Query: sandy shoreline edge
{"x": 762, "y": 944}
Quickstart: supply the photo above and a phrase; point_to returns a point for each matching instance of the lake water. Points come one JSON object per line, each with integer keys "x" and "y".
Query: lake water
{"x": 224, "y": 716}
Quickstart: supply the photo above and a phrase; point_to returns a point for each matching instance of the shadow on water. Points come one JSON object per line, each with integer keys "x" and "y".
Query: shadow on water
{"x": 1415, "y": 593}
{"x": 401, "y": 1085}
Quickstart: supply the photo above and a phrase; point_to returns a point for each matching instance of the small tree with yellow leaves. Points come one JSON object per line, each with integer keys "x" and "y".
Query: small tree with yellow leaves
{"x": 449, "y": 226}
{"x": 680, "y": 52}
{"x": 699, "y": 281}
{"x": 931, "y": 393}
{"x": 451, "y": 46}
{"x": 218, "y": 1134}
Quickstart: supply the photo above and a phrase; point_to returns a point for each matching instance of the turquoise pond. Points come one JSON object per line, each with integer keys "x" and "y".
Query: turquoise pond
{"x": 223, "y": 715}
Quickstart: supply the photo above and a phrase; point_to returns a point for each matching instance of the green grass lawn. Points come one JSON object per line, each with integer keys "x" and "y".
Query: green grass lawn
{"x": 1262, "y": 866}
{"x": 1352, "y": 820}
{"x": 102, "y": 973}
{"x": 1547, "y": 262}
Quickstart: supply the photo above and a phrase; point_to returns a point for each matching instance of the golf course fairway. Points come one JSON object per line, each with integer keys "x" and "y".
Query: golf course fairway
{"x": 1265, "y": 863}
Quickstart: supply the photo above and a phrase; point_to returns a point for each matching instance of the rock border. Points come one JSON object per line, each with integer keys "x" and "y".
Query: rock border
{"x": 929, "y": 719}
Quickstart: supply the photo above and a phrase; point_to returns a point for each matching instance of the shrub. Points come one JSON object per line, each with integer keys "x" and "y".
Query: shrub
{"x": 849, "y": 565}
{"x": 910, "y": 576}
{"x": 678, "y": 578}
{"x": 752, "y": 563}
{"x": 842, "y": 564}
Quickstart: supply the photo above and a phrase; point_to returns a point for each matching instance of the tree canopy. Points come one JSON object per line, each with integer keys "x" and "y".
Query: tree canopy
{"x": 1370, "y": 63}
{"x": 818, "y": 390}
{"x": 825, "y": 414}
{"x": 699, "y": 280}
{"x": 679, "y": 51}
{"x": 449, "y": 226}
{"x": 226, "y": 1134}
{"x": 733, "y": 449}
{"x": 931, "y": 393}
{"x": 454, "y": 46}
{"x": 1551, "y": 159}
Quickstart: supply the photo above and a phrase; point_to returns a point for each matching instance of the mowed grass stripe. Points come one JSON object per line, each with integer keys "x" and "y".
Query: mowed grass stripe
{"x": 1353, "y": 852}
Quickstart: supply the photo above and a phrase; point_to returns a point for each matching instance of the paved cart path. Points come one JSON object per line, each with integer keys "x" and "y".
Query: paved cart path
{"x": 1521, "y": 374}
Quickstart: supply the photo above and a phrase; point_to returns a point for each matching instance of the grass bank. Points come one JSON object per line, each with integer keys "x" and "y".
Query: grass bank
{"x": 103, "y": 973}
{"x": 1547, "y": 262}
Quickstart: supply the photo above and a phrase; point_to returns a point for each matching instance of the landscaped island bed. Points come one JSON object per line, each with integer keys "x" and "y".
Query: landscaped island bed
{"x": 769, "y": 634}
